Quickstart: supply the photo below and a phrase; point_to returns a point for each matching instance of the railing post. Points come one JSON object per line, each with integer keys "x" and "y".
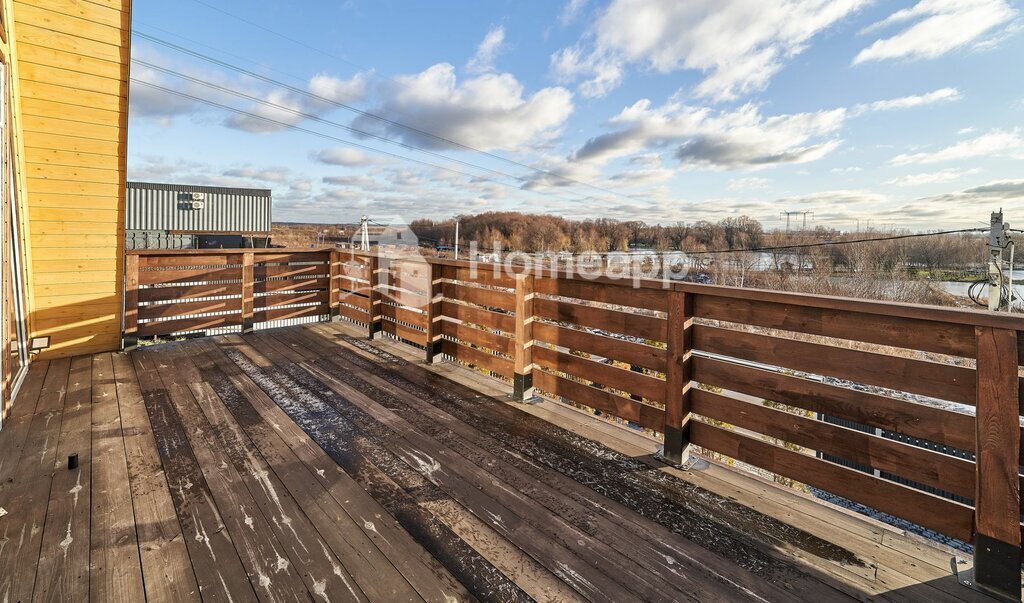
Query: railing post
{"x": 130, "y": 338}
{"x": 333, "y": 285}
{"x": 677, "y": 377}
{"x": 248, "y": 281}
{"x": 522, "y": 379}
{"x": 374, "y": 293}
{"x": 997, "y": 536}
{"x": 433, "y": 311}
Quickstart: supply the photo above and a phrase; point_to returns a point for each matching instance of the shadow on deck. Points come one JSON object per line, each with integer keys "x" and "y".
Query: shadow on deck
{"x": 304, "y": 463}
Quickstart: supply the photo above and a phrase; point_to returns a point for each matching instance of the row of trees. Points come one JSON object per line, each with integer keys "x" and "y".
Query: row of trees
{"x": 539, "y": 233}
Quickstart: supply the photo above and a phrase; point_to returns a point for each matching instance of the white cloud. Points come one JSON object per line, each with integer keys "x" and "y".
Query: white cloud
{"x": 487, "y": 112}
{"x": 967, "y": 130}
{"x": 570, "y": 11}
{"x": 847, "y": 170}
{"x": 947, "y": 175}
{"x": 273, "y": 174}
{"x": 994, "y": 143}
{"x": 738, "y": 44}
{"x": 936, "y": 27}
{"x": 489, "y": 49}
{"x": 345, "y": 156}
{"x": 742, "y": 138}
{"x": 748, "y": 184}
{"x": 942, "y": 95}
{"x": 288, "y": 103}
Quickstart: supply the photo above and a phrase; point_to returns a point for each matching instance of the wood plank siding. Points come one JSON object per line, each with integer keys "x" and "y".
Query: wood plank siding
{"x": 72, "y": 91}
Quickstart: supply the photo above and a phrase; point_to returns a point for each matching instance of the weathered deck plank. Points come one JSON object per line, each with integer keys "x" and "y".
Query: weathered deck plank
{"x": 306, "y": 463}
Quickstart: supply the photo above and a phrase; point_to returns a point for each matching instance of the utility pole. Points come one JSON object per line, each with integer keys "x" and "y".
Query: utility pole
{"x": 998, "y": 237}
{"x": 364, "y": 228}
{"x": 456, "y": 237}
{"x": 789, "y": 214}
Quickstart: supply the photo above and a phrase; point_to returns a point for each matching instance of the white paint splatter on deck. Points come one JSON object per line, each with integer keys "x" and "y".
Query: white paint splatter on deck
{"x": 337, "y": 569}
{"x": 76, "y": 489}
{"x": 201, "y": 535}
{"x": 425, "y": 464}
{"x": 66, "y": 543}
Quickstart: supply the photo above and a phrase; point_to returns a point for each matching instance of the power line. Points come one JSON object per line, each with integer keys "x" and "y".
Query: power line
{"x": 328, "y": 136}
{"x": 350, "y": 129}
{"x": 832, "y": 243}
{"x": 374, "y": 116}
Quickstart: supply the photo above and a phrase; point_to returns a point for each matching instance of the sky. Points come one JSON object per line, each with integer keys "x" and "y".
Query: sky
{"x": 888, "y": 114}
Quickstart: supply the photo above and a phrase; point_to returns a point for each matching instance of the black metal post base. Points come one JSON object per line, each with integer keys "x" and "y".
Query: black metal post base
{"x": 433, "y": 349}
{"x": 996, "y": 569}
{"x": 375, "y": 327}
{"x": 246, "y": 325}
{"x": 130, "y": 342}
{"x": 522, "y": 389}
{"x": 674, "y": 445}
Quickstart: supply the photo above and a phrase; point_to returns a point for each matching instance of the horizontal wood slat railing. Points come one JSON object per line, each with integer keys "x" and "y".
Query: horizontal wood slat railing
{"x": 833, "y": 393}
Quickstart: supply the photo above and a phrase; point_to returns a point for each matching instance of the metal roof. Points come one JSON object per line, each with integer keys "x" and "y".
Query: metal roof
{"x": 153, "y": 206}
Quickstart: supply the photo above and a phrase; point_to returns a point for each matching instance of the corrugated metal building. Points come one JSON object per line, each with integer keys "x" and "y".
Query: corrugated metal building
{"x": 178, "y": 216}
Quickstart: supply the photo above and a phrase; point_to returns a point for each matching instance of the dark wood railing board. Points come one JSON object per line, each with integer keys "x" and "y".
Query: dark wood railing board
{"x": 354, "y": 314}
{"x": 207, "y": 259}
{"x": 494, "y": 320}
{"x": 613, "y": 321}
{"x": 607, "y": 375}
{"x": 180, "y": 325}
{"x": 896, "y": 331}
{"x": 166, "y": 311}
{"x": 645, "y": 415}
{"x": 286, "y": 313}
{"x": 405, "y": 297}
{"x": 182, "y": 292}
{"x": 404, "y": 331}
{"x": 284, "y": 299}
{"x": 401, "y": 314}
{"x": 937, "y": 380}
{"x": 190, "y": 275}
{"x": 639, "y": 354}
{"x": 489, "y": 298}
{"x": 621, "y": 293}
{"x": 933, "y": 512}
{"x": 467, "y": 333}
{"x": 352, "y": 299}
{"x": 479, "y": 358}
{"x": 483, "y": 275}
{"x": 924, "y": 466}
{"x": 305, "y": 284}
{"x": 891, "y": 414}
{"x": 306, "y": 270}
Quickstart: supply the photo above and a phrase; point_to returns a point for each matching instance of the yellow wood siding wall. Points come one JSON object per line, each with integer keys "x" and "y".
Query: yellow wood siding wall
{"x": 72, "y": 60}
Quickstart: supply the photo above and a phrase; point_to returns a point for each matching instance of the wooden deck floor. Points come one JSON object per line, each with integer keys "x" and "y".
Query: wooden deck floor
{"x": 306, "y": 464}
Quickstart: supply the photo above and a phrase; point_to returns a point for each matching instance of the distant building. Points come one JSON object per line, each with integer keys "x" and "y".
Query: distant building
{"x": 176, "y": 216}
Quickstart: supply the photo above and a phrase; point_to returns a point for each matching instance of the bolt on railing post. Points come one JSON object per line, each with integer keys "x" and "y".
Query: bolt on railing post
{"x": 334, "y": 284}
{"x": 130, "y": 337}
{"x": 522, "y": 379}
{"x": 374, "y": 326}
{"x": 248, "y": 282}
{"x": 997, "y": 538}
{"x": 677, "y": 376}
{"x": 434, "y": 311}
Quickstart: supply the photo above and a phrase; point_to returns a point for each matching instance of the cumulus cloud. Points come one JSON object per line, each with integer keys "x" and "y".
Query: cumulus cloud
{"x": 932, "y": 28}
{"x": 947, "y": 175}
{"x": 738, "y": 44}
{"x": 283, "y": 106}
{"x": 726, "y": 139}
{"x": 489, "y": 49}
{"x": 487, "y": 112}
{"x": 942, "y": 95}
{"x": 993, "y": 144}
{"x": 272, "y": 174}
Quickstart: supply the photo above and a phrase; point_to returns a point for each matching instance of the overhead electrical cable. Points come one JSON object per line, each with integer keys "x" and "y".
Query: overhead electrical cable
{"x": 287, "y": 125}
{"x": 376, "y": 117}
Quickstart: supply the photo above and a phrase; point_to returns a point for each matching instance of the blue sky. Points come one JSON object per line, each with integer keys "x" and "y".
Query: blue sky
{"x": 908, "y": 114}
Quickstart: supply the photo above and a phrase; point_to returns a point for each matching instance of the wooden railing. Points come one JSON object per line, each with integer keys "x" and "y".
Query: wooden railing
{"x": 746, "y": 374}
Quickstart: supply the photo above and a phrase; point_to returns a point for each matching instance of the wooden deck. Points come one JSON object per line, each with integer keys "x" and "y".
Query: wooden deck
{"x": 306, "y": 463}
